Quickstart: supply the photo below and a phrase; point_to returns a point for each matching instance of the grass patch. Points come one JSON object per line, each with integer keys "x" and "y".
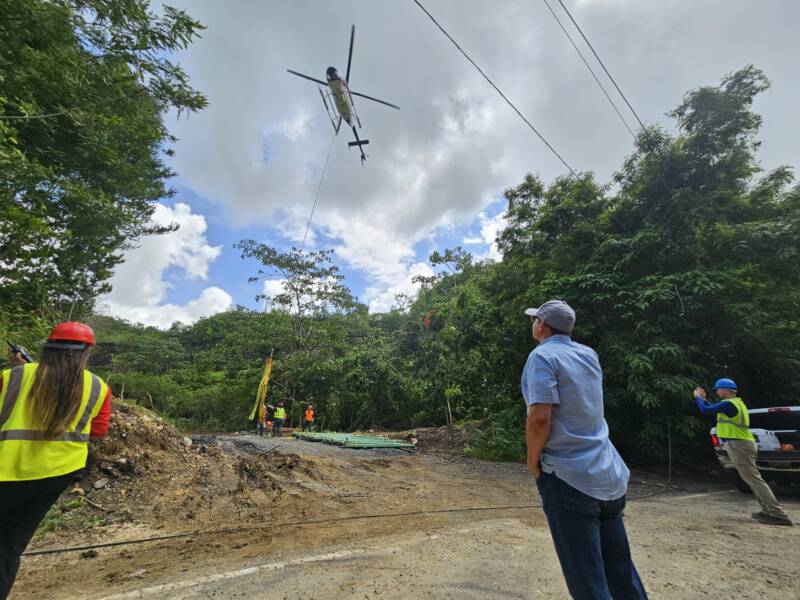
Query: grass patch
{"x": 55, "y": 518}
{"x": 92, "y": 521}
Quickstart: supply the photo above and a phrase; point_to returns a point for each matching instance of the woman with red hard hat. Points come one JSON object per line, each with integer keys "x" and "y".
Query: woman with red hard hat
{"x": 48, "y": 411}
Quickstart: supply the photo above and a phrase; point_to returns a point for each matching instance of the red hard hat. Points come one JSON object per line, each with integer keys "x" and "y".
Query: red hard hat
{"x": 72, "y": 331}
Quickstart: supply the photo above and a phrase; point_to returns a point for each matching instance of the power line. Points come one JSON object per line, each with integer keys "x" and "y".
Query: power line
{"x": 602, "y": 64}
{"x": 588, "y": 43}
{"x": 316, "y": 195}
{"x": 602, "y": 87}
{"x": 497, "y": 89}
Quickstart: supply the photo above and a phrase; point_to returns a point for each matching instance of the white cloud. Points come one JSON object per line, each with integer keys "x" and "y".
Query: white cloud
{"x": 212, "y": 300}
{"x": 382, "y": 298}
{"x": 139, "y": 285}
{"x": 490, "y": 228}
{"x": 273, "y": 287}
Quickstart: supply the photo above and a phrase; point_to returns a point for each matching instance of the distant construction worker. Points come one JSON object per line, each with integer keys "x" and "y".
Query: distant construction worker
{"x": 48, "y": 411}
{"x": 262, "y": 420}
{"x": 280, "y": 417}
{"x": 269, "y": 420}
{"x": 581, "y": 478}
{"x": 308, "y": 418}
{"x": 733, "y": 430}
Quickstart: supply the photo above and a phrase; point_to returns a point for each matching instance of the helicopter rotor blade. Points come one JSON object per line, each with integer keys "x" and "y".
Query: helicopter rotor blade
{"x": 374, "y": 99}
{"x": 350, "y": 54}
{"x": 325, "y": 83}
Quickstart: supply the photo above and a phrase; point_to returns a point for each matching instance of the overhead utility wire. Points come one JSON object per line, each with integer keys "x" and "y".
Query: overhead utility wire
{"x": 602, "y": 64}
{"x": 316, "y": 195}
{"x": 497, "y": 89}
{"x": 599, "y": 83}
{"x": 588, "y": 43}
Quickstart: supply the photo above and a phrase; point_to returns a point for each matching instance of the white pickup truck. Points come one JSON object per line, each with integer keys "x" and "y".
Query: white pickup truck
{"x": 777, "y": 433}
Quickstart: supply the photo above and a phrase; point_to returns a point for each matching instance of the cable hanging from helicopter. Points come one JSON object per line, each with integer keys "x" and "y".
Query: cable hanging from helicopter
{"x": 338, "y": 99}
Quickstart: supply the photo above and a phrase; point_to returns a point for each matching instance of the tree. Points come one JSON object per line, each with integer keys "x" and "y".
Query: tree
{"x": 311, "y": 290}
{"x": 311, "y": 284}
{"x": 84, "y": 89}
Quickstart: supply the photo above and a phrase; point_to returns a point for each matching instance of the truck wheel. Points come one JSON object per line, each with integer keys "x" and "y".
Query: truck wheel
{"x": 739, "y": 482}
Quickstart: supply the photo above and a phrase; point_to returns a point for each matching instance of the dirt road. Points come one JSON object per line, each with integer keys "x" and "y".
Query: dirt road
{"x": 681, "y": 540}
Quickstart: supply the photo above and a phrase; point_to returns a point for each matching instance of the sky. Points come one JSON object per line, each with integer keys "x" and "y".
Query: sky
{"x": 248, "y": 166}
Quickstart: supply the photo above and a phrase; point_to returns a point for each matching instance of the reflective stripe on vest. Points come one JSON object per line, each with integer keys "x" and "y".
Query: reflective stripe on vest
{"x": 736, "y": 427}
{"x": 12, "y": 392}
{"x": 27, "y": 453}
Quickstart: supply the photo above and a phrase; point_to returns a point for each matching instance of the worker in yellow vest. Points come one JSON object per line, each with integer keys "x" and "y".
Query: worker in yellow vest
{"x": 278, "y": 420}
{"x": 48, "y": 412}
{"x": 733, "y": 430}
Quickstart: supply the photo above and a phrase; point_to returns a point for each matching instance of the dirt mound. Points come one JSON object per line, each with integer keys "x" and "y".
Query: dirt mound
{"x": 147, "y": 474}
{"x": 448, "y": 439}
{"x": 265, "y": 470}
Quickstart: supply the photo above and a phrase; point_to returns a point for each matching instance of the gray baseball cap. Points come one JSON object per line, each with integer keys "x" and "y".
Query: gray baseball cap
{"x": 555, "y": 313}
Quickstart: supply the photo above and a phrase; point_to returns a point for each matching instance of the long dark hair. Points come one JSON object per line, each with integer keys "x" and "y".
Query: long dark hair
{"x": 57, "y": 389}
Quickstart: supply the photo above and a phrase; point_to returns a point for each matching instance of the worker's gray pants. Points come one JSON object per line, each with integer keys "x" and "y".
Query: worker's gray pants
{"x": 743, "y": 455}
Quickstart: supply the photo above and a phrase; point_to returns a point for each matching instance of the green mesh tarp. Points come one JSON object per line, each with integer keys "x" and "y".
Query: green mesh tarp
{"x": 353, "y": 440}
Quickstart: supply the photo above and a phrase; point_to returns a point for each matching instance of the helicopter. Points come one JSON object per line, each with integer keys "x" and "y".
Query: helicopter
{"x": 338, "y": 92}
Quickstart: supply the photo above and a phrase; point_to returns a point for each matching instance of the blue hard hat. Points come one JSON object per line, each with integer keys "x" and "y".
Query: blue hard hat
{"x": 725, "y": 384}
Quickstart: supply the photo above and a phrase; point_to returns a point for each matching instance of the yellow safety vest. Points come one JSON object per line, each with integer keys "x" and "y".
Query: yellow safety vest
{"x": 738, "y": 427}
{"x": 280, "y": 413}
{"x": 24, "y": 452}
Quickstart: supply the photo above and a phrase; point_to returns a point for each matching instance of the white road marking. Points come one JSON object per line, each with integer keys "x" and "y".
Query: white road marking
{"x": 274, "y": 566}
{"x": 688, "y": 496}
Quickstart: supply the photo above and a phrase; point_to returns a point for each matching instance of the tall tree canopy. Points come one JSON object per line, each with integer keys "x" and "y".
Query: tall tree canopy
{"x": 687, "y": 272}
{"x": 84, "y": 89}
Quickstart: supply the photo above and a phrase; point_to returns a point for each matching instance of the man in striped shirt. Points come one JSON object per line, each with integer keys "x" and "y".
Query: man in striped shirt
{"x": 581, "y": 478}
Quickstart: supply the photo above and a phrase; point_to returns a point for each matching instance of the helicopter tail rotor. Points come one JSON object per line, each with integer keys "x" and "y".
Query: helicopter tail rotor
{"x": 360, "y": 144}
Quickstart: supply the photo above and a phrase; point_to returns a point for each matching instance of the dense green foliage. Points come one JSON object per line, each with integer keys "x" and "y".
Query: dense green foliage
{"x": 84, "y": 89}
{"x": 682, "y": 269}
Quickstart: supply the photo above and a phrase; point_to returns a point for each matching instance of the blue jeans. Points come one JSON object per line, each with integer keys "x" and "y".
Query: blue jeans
{"x": 590, "y": 541}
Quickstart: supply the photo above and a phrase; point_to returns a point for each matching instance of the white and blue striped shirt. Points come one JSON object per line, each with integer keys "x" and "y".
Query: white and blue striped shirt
{"x": 568, "y": 376}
